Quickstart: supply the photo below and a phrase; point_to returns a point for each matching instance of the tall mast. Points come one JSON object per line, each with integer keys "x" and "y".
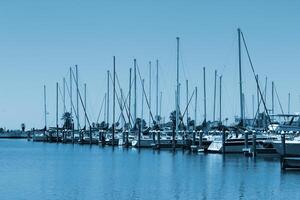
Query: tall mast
{"x": 177, "y": 90}
{"x": 71, "y": 103}
{"x": 156, "y": 88}
{"x": 257, "y": 93}
{"x": 71, "y": 95}
{"x": 77, "y": 97}
{"x": 105, "y": 106}
{"x": 64, "y": 93}
{"x": 45, "y": 107}
{"x": 129, "y": 100}
{"x": 215, "y": 93}
{"x": 142, "y": 114}
{"x": 85, "y": 105}
{"x": 56, "y": 111}
{"x": 114, "y": 100}
{"x": 196, "y": 100}
{"x": 134, "y": 114}
{"x": 273, "y": 98}
{"x": 150, "y": 72}
{"x": 253, "y": 112}
{"x": 160, "y": 102}
{"x": 240, "y": 76}
{"x": 244, "y": 106}
{"x": 122, "y": 109}
{"x": 220, "y": 117}
{"x": 204, "y": 85}
{"x": 266, "y": 83}
{"x": 187, "y": 103}
{"x": 107, "y": 113}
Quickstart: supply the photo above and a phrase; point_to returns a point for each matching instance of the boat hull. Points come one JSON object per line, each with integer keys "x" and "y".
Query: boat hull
{"x": 292, "y": 148}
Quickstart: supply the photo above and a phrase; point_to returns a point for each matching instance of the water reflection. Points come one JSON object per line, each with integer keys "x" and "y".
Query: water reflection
{"x": 67, "y": 171}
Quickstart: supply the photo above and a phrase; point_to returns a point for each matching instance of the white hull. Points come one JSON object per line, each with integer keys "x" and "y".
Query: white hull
{"x": 217, "y": 147}
{"x": 230, "y": 147}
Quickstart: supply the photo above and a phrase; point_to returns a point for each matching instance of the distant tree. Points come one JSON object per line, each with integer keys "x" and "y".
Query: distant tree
{"x": 137, "y": 123}
{"x": 102, "y": 125}
{"x": 23, "y": 127}
{"x": 1, "y": 130}
{"x": 191, "y": 123}
{"x": 158, "y": 118}
{"x": 127, "y": 125}
{"x": 68, "y": 120}
{"x": 173, "y": 116}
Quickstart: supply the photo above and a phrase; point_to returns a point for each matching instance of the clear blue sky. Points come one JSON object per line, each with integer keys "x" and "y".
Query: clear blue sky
{"x": 39, "y": 40}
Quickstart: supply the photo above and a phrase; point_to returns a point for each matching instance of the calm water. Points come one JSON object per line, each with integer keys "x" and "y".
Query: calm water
{"x": 55, "y": 171}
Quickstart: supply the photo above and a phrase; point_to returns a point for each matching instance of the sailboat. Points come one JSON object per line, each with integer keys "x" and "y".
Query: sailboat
{"x": 239, "y": 138}
{"x": 235, "y": 143}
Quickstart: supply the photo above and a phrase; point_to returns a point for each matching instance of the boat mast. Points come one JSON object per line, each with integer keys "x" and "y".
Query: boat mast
{"x": 257, "y": 91}
{"x": 150, "y": 72}
{"x": 240, "y": 77}
{"x": 273, "y": 98}
{"x": 160, "y": 102}
{"x": 77, "y": 97}
{"x": 215, "y": 93}
{"x": 56, "y": 111}
{"x": 71, "y": 95}
{"x": 253, "y": 114}
{"x": 195, "y": 112}
{"x": 85, "y": 105}
{"x": 220, "y": 117}
{"x": 108, "y": 98}
{"x": 71, "y": 103}
{"x": 45, "y": 107}
{"x": 187, "y": 103}
{"x": 177, "y": 95}
{"x": 114, "y": 100}
{"x": 105, "y": 106}
{"x": 122, "y": 109}
{"x": 204, "y": 85}
{"x": 244, "y": 106}
{"x": 142, "y": 114}
{"x": 266, "y": 83}
{"x": 134, "y": 114}
{"x": 129, "y": 100}
{"x": 205, "y": 127}
{"x": 156, "y": 89}
{"x": 64, "y": 94}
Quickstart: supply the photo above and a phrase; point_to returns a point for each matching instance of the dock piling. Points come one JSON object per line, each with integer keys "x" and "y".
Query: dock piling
{"x": 158, "y": 140}
{"x": 254, "y": 143}
{"x": 223, "y": 141}
{"x": 90, "y": 134}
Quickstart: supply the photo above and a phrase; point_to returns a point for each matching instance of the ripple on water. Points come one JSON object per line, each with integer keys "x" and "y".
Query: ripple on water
{"x": 64, "y": 171}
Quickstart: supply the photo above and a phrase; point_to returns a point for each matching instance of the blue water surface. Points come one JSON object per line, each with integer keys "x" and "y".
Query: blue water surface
{"x": 38, "y": 171}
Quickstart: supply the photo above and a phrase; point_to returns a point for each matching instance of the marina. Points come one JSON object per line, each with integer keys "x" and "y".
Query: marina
{"x": 138, "y": 100}
{"x": 261, "y": 135}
